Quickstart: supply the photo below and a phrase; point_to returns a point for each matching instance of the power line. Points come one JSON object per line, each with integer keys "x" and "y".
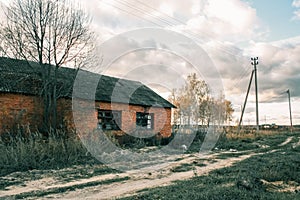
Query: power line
{"x": 165, "y": 14}
{"x": 180, "y": 22}
{"x": 169, "y": 23}
{"x": 130, "y": 13}
{"x": 144, "y": 12}
{"x": 241, "y": 77}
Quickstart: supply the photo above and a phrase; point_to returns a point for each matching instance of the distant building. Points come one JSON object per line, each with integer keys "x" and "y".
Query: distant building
{"x": 21, "y": 104}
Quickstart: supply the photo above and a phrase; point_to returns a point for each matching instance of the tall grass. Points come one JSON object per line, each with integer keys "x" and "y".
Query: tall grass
{"x": 35, "y": 151}
{"x": 25, "y": 150}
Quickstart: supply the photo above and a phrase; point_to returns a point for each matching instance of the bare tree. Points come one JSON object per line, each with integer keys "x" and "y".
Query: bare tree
{"x": 52, "y": 33}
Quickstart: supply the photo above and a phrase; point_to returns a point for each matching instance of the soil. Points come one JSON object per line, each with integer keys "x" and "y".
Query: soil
{"x": 140, "y": 179}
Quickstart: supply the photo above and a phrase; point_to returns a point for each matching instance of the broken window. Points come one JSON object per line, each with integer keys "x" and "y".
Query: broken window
{"x": 109, "y": 120}
{"x": 144, "y": 120}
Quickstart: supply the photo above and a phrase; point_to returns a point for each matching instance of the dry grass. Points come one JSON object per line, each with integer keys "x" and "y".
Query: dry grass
{"x": 35, "y": 151}
{"x": 251, "y": 133}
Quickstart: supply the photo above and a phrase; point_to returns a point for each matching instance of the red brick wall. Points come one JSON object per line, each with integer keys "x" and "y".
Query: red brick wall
{"x": 23, "y": 111}
{"x": 85, "y": 116}
{"x": 27, "y": 110}
{"x": 65, "y": 114}
{"x": 20, "y": 110}
{"x": 162, "y": 117}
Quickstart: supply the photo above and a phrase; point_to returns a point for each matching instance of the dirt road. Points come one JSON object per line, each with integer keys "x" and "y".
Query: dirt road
{"x": 141, "y": 180}
{"x": 114, "y": 185}
{"x": 181, "y": 167}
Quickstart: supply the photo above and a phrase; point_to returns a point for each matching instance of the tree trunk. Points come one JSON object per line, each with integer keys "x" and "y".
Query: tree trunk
{"x": 46, "y": 95}
{"x": 54, "y": 100}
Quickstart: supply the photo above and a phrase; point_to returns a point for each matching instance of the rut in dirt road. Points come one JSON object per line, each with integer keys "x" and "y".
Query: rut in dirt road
{"x": 140, "y": 179}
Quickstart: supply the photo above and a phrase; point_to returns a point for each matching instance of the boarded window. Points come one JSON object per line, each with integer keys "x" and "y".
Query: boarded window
{"x": 144, "y": 120}
{"x": 109, "y": 120}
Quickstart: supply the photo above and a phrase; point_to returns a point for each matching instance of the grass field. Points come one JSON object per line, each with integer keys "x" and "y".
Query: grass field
{"x": 272, "y": 172}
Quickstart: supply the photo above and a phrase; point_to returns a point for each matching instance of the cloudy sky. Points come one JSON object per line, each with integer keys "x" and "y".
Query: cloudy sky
{"x": 154, "y": 42}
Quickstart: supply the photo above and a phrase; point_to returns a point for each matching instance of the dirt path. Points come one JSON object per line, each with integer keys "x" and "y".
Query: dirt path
{"x": 139, "y": 179}
{"x": 288, "y": 140}
{"x": 296, "y": 144}
{"x": 130, "y": 187}
{"x": 48, "y": 183}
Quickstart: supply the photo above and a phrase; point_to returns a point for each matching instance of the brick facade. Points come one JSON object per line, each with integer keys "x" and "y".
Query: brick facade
{"x": 18, "y": 110}
{"x": 161, "y": 121}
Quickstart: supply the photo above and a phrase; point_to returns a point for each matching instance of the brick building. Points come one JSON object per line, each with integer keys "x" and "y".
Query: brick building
{"x": 121, "y": 106}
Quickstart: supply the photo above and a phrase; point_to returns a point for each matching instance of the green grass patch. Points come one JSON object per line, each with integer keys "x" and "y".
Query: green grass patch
{"x": 258, "y": 142}
{"x": 188, "y": 166}
{"x": 241, "y": 181}
{"x": 229, "y": 155}
{"x": 183, "y": 168}
{"x": 178, "y": 159}
{"x": 82, "y": 172}
{"x": 4, "y": 183}
{"x": 198, "y": 163}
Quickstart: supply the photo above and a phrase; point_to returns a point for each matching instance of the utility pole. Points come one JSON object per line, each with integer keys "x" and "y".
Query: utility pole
{"x": 255, "y": 63}
{"x": 245, "y": 102}
{"x": 289, "y": 96}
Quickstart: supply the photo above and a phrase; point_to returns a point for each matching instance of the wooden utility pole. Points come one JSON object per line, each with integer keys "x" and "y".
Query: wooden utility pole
{"x": 255, "y": 63}
{"x": 245, "y": 102}
{"x": 291, "y": 121}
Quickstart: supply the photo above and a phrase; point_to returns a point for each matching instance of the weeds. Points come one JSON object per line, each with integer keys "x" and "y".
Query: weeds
{"x": 35, "y": 151}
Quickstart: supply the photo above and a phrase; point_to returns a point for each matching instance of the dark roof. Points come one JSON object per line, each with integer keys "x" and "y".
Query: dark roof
{"x": 19, "y": 76}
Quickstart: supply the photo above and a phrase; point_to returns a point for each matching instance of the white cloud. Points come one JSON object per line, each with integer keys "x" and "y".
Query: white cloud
{"x": 234, "y": 13}
{"x": 232, "y": 20}
{"x": 219, "y": 27}
{"x": 278, "y": 70}
{"x": 165, "y": 8}
{"x": 5, "y": 2}
{"x": 296, "y": 4}
{"x": 3, "y": 5}
{"x": 296, "y": 15}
